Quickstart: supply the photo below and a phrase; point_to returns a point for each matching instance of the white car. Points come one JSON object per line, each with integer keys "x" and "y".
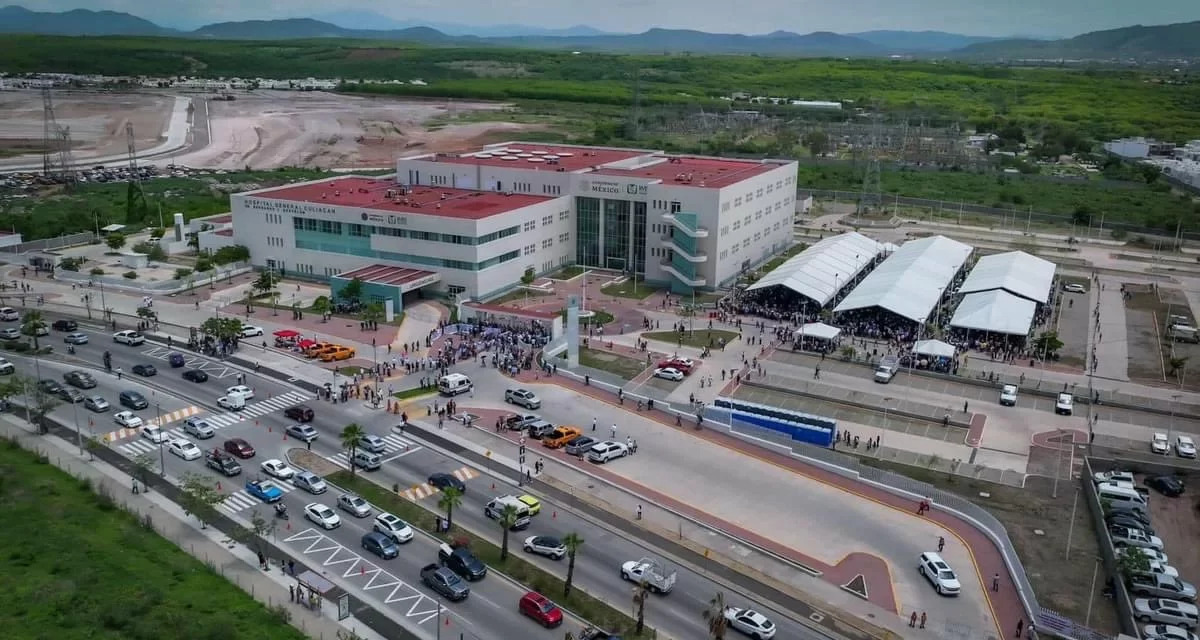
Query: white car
{"x": 1153, "y": 555}
{"x": 277, "y": 469}
{"x": 9, "y": 314}
{"x": 1185, "y": 447}
{"x": 1159, "y": 444}
{"x": 1065, "y": 404}
{"x": 322, "y": 515}
{"x": 127, "y": 419}
{"x": 545, "y": 546}
{"x": 185, "y": 449}
{"x": 6, "y": 366}
{"x": 231, "y": 403}
{"x": 1074, "y": 288}
{"x": 939, "y": 574}
{"x": 669, "y": 373}
{"x": 240, "y": 390}
{"x": 154, "y": 434}
{"x": 1008, "y": 395}
{"x": 750, "y": 622}
{"x": 129, "y": 337}
{"x": 1127, "y": 537}
{"x": 1112, "y": 476}
{"x": 607, "y": 450}
{"x": 249, "y": 331}
{"x": 392, "y": 527}
{"x": 1167, "y": 632}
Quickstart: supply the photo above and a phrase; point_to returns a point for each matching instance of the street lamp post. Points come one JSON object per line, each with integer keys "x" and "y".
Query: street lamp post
{"x": 162, "y": 451}
{"x": 1058, "y": 464}
{"x": 104, "y": 303}
{"x": 78, "y": 429}
{"x": 1171, "y": 423}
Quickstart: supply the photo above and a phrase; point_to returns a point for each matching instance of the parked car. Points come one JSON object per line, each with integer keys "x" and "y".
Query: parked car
{"x": 1185, "y": 447}
{"x": 579, "y": 445}
{"x": 1160, "y": 585}
{"x": 607, "y": 450}
{"x": 1166, "y": 611}
{"x": 250, "y": 331}
{"x": 750, "y": 622}
{"x": 523, "y": 397}
{"x": 10, "y": 333}
{"x": 548, "y": 546}
{"x": 1126, "y": 537}
{"x": 669, "y": 373}
{"x": 1167, "y": 632}
{"x": 541, "y": 609}
{"x": 939, "y": 574}
{"x": 1074, "y": 288}
{"x": 1123, "y": 520}
{"x": 1169, "y": 486}
{"x": 1159, "y": 444}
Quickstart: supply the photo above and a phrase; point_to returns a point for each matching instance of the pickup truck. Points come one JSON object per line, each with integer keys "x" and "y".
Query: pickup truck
{"x": 462, "y": 561}
{"x": 264, "y": 490}
{"x": 597, "y": 634}
{"x": 655, "y": 574}
{"x": 222, "y": 462}
{"x": 445, "y": 582}
{"x": 887, "y": 369}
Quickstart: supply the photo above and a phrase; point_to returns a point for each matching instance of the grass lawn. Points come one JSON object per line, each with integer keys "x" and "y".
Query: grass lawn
{"x": 624, "y": 366}
{"x": 566, "y": 273}
{"x": 79, "y": 567}
{"x": 409, "y": 394}
{"x": 420, "y": 516}
{"x": 598, "y": 318}
{"x": 1059, "y": 583}
{"x": 699, "y": 338}
{"x": 628, "y": 289}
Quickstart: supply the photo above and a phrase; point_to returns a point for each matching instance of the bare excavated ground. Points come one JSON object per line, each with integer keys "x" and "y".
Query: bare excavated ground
{"x": 96, "y": 121}
{"x": 269, "y": 129}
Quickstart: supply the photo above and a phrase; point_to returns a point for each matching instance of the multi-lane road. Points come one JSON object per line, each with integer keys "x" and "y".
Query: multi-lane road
{"x": 390, "y": 585}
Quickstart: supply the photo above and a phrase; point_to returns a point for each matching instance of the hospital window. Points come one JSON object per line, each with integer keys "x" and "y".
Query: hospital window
{"x": 564, "y": 215}
{"x": 456, "y": 289}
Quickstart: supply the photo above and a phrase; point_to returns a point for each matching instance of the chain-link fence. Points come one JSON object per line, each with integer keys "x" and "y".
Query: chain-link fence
{"x": 50, "y": 244}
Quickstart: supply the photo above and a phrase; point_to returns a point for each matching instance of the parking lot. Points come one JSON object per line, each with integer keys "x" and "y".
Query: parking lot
{"x": 1177, "y": 522}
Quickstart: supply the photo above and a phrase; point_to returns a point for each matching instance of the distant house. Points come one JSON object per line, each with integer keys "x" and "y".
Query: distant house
{"x": 1139, "y": 148}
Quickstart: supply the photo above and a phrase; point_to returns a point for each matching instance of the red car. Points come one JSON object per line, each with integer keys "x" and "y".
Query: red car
{"x": 538, "y": 607}
{"x": 239, "y": 448}
{"x": 678, "y": 363}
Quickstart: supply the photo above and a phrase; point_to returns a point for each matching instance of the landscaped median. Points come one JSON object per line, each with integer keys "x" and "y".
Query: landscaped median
{"x": 585, "y": 606}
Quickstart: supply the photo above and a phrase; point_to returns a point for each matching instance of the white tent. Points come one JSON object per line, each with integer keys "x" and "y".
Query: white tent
{"x": 819, "y": 271}
{"x": 1016, "y": 272}
{"x": 996, "y": 311}
{"x": 935, "y": 348}
{"x": 818, "y": 330}
{"x": 910, "y": 282}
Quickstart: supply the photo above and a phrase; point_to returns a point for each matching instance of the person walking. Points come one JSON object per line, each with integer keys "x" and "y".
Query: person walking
{"x": 614, "y": 431}
{"x": 593, "y": 424}
{"x": 941, "y": 543}
{"x": 996, "y": 582}
{"x": 912, "y": 620}
{"x": 1020, "y": 627}
{"x": 922, "y": 620}
{"x": 639, "y": 512}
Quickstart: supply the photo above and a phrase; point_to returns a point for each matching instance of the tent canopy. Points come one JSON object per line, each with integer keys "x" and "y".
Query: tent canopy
{"x": 1016, "y": 272}
{"x": 819, "y": 271}
{"x": 997, "y": 311}
{"x": 911, "y": 281}
{"x": 818, "y": 330}
{"x": 935, "y": 348}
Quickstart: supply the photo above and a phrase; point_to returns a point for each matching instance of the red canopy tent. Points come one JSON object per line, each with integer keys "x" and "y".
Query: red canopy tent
{"x": 287, "y": 333}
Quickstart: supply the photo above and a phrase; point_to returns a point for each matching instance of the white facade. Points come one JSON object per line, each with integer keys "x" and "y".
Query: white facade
{"x": 738, "y": 226}
{"x": 526, "y": 237}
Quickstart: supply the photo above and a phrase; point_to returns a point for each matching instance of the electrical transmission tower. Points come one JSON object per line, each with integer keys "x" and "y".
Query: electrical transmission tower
{"x": 135, "y": 196}
{"x": 56, "y": 143}
{"x": 871, "y": 195}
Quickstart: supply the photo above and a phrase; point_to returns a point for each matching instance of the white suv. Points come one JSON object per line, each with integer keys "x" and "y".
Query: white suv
{"x": 1065, "y": 404}
{"x": 939, "y": 574}
{"x": 608, "y": 450}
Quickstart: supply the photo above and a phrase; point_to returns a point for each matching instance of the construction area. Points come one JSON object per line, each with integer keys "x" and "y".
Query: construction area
{"x": 94, "y": 121}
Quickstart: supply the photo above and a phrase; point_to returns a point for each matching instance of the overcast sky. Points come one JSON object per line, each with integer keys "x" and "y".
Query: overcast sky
{"x": 974, "y": 17}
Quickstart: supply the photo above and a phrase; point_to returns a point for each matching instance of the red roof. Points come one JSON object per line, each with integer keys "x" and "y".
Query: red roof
{"x": 527, "y": 155}
{"x": 224, "y": 232}
{"x": 511, "y": 311}
{"x": 712, "y": 173}
{"x": 385, "y": 274}
{"x": 370, "y": 193}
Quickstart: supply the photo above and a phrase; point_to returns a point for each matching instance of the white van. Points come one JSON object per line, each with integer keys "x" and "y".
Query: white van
{"x": 453, "y": 384}
{"x": 495, "y": 509}
{"x": 1121, "y": 498}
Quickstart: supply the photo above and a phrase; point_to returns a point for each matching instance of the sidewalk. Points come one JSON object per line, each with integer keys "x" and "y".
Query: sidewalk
{"x": 1108, "y": 338}
{"x": 235, "y": 562}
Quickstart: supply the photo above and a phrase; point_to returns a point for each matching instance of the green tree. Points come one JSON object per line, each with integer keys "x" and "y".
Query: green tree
{"x": 144, "y": 466}
{"x": 786, "y": 140}
{"x": 528, "y": 277}
{"x": 817, "y": 143}
{"x": 115, "y": 241}
{"x": 353, "y": 291}
{"x": 222, "y": 328}
{"x": 714, "y": 617}
{"x": 34, "y": 322}
{"x": 351, "y": 434}
{"x": 43, "y": 404}
{"x": 200, "y": 498}
{"x": 1132, "y": 562}
{"x": 641, "y": 591}
{"x": 1047, "y": 344}
{"x": 372, "y": 314}
{"x": 266, "y": 281}
{"x": 230, "y": 254}
{"x": 322, "y": 305}
{"x": 508, "y": 518}
{"x": 1177, "y": 364}
{"x": 573, "y": 542}
{"x": 451, "y": 499}
{"x": 262, "y": 528}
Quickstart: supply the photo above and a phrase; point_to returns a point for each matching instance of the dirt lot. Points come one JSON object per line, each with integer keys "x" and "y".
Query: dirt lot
{"x": 1177, "y": 522}
{"x": 1062, "y": 581}
{"x": 1150, "y": 351}
{"x": 96, "y": 120}
{"x": 268, "y": 129}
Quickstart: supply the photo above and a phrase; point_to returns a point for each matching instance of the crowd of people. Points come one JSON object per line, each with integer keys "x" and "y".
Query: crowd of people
{"x": 510, "y": 347}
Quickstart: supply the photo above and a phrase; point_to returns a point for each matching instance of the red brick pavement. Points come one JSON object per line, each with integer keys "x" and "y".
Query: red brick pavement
{"x": 873, "y": 569}
{"x": 1004, "y": 603}
{"x": 1054, "y": 439}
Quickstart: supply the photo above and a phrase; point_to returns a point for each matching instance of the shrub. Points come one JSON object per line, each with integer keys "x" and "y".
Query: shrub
{"x": 180, "y": 274}
{"x": 158, "y": 233}
{"x": 131, "y": 275}
{"x": 71, "y": 264}
{"x": 97, "y": 271}
{"x": 203, "y": 265}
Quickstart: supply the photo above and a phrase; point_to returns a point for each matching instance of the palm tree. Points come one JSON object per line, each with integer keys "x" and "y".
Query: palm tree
{"x": 640, "y": 593}
{"x": 33, "y": 322}
{"x": 714, "y": 617}
{"x": 351, "y": 434}
{"x": 451, "y": 498}
{"x": 508, "y": 518}
{"x": 572, "y": 541}
{"x": 322, "y": 306}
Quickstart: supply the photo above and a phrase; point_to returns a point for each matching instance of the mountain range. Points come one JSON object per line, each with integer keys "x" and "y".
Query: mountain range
{"x": 1166, "y": 41}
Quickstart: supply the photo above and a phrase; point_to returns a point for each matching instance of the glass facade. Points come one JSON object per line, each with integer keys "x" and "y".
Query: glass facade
{"x": 610, "y": 234}
{"x": 587, "y": 231}
{"x": 616, "y": 234}
{"x": 348, "y": 239}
